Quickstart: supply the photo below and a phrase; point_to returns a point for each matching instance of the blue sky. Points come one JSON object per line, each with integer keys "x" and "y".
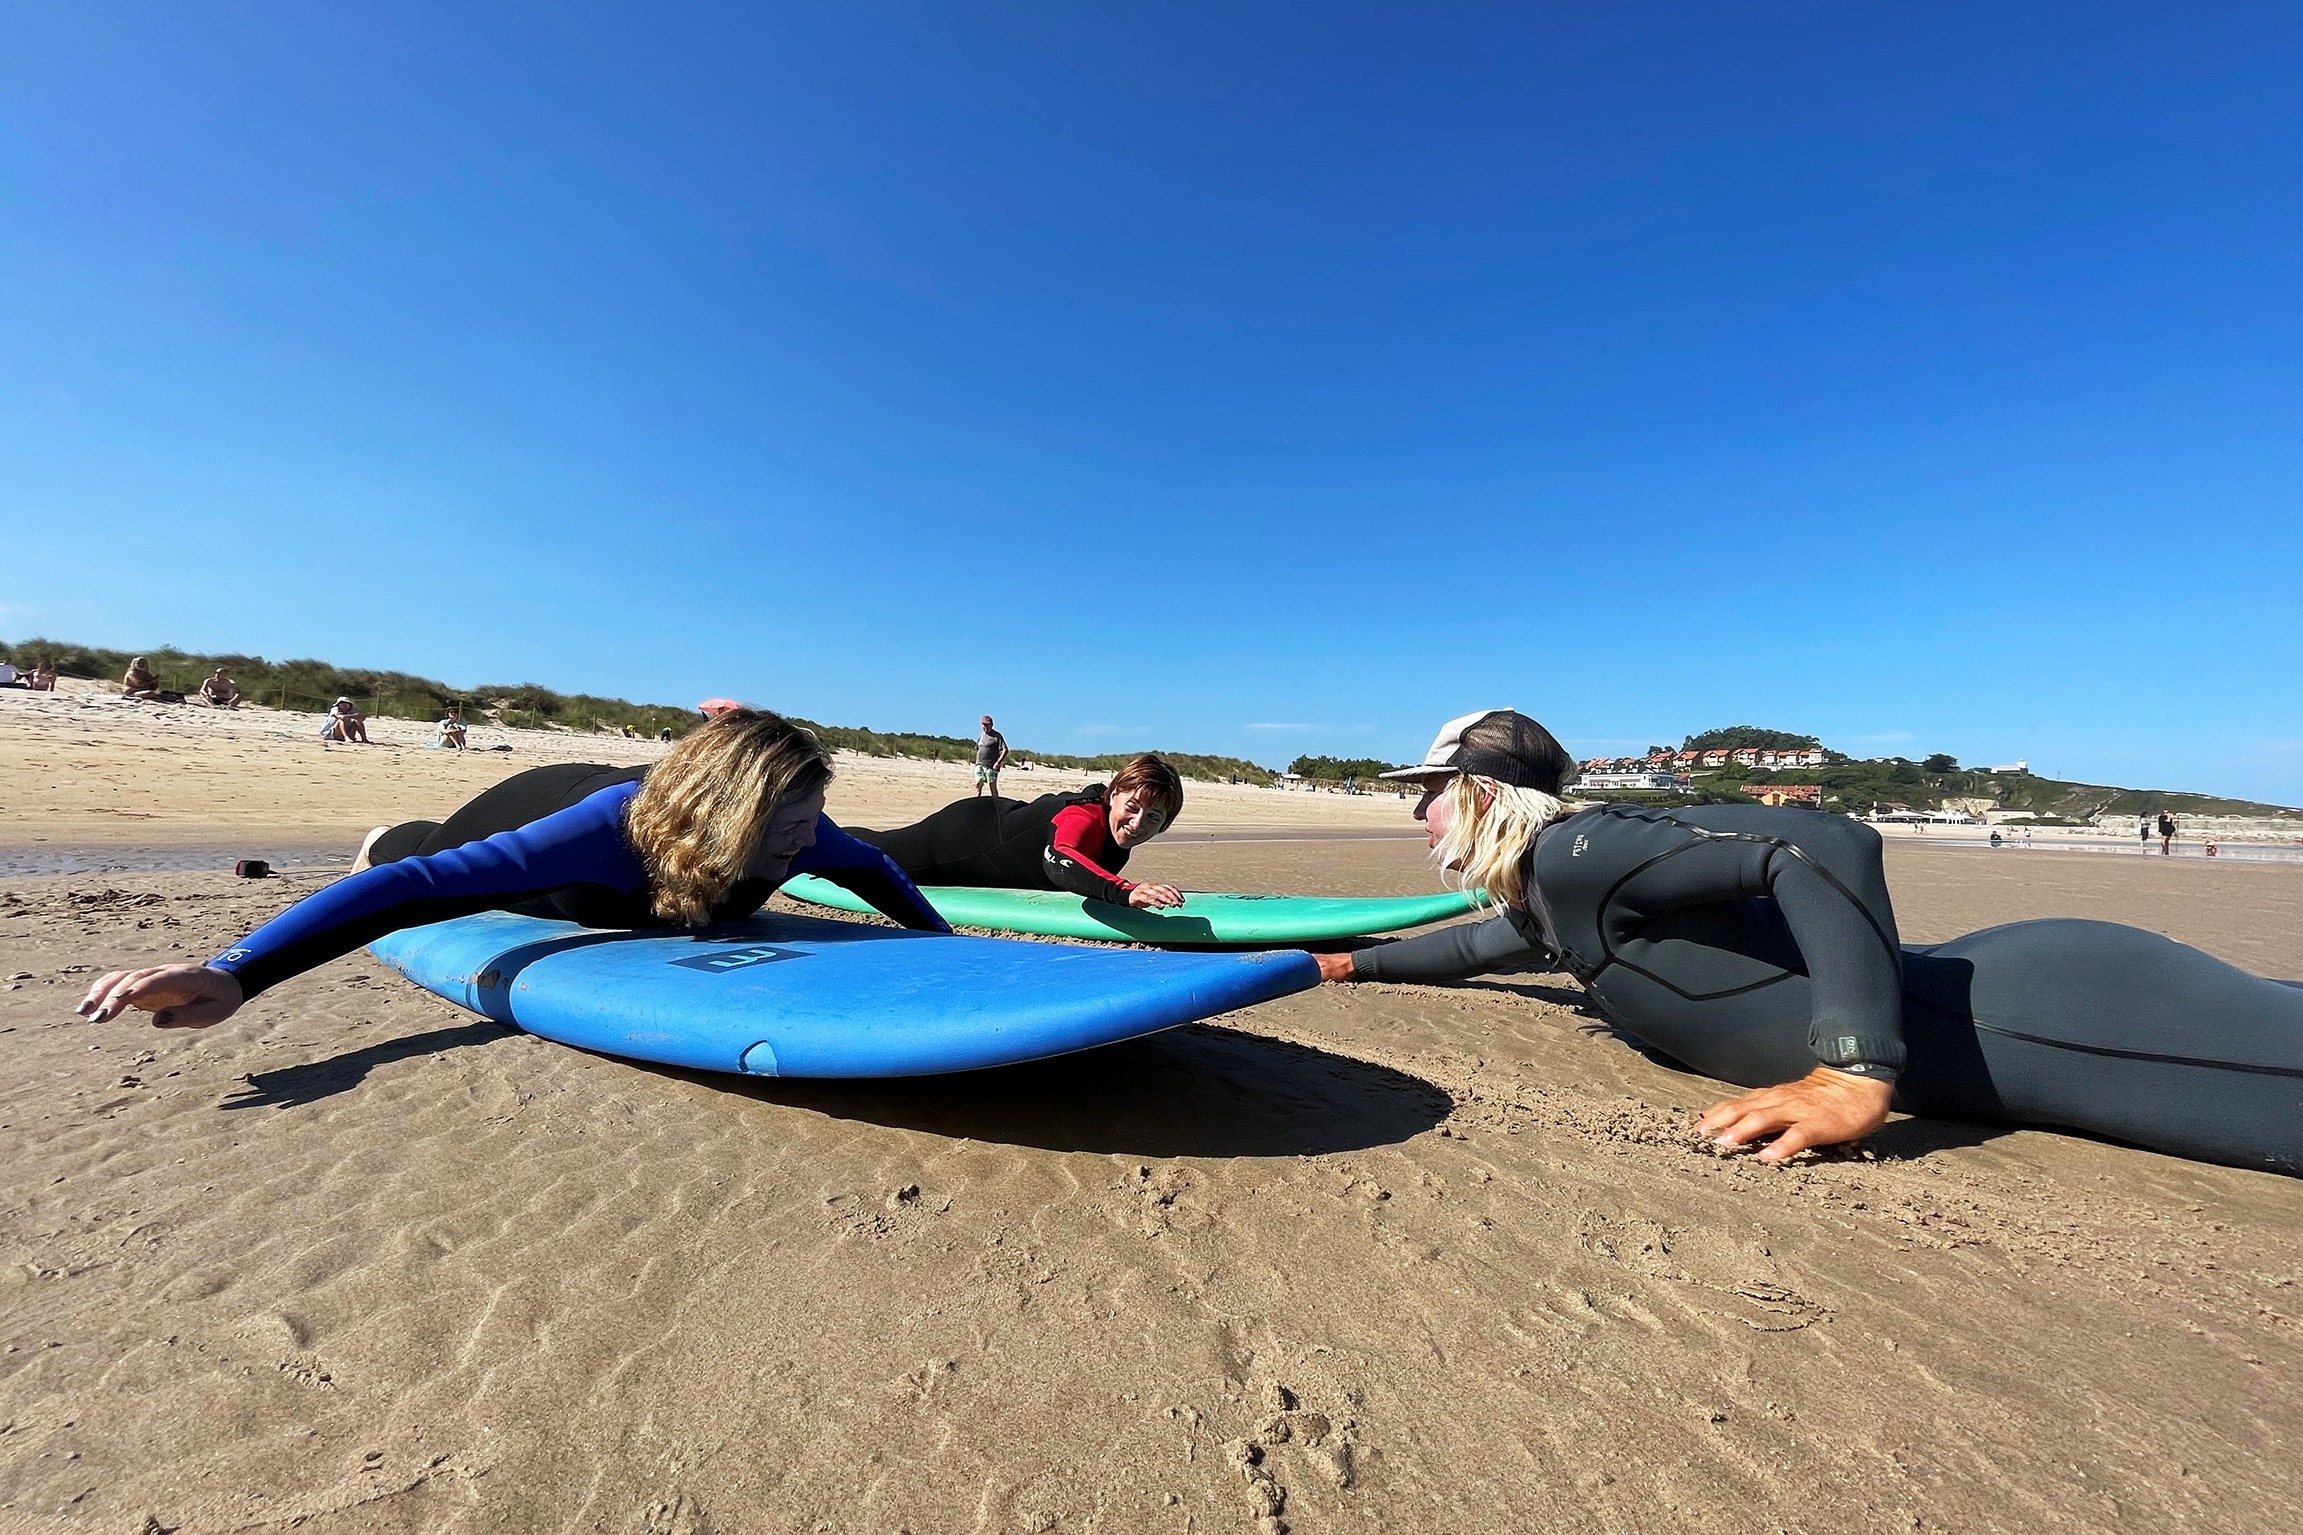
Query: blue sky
{"x": 1256, "y": 379}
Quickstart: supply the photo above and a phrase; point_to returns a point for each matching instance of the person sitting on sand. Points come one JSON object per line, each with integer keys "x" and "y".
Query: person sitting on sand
{"x": 1757, "y": 945}
{"x": 220, "y": 691}
{"x": 704, "y": 835}
{"x": 139, "y": 680}
{"x": 8, "y": 678}
{"x": 451, "y": 729}
{"x": 43, "y": 677}
{"x": 1076, "y": 842}
{"x": 346, "y": 723}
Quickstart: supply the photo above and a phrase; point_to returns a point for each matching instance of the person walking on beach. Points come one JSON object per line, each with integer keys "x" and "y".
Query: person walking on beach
{"x": 2143, "y": 832}
{"x": 2166, "y": 832}
{"x": 705, "y": 835}
{"x": 991, "y": 756}
{"x": 1757, "y": 945}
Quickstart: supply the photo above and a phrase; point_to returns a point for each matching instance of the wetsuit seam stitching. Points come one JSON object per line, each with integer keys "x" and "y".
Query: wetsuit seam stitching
{"x": 2138, "y": 1055}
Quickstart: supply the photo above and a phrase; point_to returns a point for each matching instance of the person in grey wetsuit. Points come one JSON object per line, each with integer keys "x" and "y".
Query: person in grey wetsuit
{"x": 1758, "y": 945}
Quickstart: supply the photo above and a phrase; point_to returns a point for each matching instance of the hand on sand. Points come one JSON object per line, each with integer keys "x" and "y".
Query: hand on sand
{"x": 1335, "y": 967}
{"x": 1822, "y": 1108}
{"x": 1145, "y": 897}
{"x": 180, "y": 996}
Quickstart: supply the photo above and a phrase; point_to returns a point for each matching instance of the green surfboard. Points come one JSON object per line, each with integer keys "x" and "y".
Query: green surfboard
{"x": 1203, "y": 918}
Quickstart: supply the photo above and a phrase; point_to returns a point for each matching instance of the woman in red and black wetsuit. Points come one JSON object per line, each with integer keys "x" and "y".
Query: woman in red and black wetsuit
{"x": 1077, "y": 842}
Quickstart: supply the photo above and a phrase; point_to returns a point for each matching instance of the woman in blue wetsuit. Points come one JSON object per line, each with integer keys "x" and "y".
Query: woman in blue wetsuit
{"x": 705, "y": 835}
{"x": 1758, "y": 946}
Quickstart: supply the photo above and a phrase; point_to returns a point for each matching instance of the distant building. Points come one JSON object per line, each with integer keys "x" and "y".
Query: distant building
{"x": 1715, "y": 759}
{"x": 2019, "y": 766}
{"x": 1787, "y": 793}
{"x": 1635, "y": 780}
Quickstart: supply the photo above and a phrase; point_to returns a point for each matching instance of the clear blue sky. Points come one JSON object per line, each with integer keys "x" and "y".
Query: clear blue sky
{"x": 1236, "y": 378}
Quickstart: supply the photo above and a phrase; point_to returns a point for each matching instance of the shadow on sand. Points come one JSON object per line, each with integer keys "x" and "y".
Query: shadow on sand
{"x": 1195, "y": 1091}
{"x": 294, "y": 1086}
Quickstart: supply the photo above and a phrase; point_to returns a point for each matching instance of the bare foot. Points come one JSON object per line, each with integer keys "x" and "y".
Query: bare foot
{"x": 360, "y": 859}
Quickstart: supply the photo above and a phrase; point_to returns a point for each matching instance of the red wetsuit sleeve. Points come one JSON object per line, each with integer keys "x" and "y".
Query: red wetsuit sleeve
{"x": 1078, "y": 841}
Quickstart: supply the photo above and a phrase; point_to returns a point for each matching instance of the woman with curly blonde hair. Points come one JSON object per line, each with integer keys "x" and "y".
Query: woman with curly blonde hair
{"x": 705, "y": 835}
{"x": 1756, "y": 944}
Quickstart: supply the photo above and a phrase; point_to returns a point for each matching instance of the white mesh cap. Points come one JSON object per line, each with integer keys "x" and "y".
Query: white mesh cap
{"x": 1502, "y": 744}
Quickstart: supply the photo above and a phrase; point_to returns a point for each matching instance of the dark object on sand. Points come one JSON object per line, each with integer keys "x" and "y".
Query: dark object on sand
{"x": 252, "y": 868}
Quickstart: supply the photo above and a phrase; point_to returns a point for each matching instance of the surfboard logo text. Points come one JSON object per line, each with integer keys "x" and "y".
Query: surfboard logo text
{"x": 737, "y": 959}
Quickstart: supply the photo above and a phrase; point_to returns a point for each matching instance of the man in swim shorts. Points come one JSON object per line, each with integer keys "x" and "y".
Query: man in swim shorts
{"x": 991, "y": 755}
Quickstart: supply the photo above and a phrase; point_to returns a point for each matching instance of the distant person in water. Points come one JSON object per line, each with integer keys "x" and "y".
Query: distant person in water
{"x": 991, "y": 756}
{"x": 704, "y": 835}
{"x": 139, "y": 680}
{"x": 1757, "y": 945}
{"x": 1077, "y": 842}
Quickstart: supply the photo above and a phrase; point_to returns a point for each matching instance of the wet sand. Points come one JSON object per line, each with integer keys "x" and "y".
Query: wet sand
{"x": 1375, "y": 1257}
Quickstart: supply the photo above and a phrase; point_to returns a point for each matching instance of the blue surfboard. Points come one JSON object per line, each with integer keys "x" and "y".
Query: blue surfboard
{"x": 790, "y": 996}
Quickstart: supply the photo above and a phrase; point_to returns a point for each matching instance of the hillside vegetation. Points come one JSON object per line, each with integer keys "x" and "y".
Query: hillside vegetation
{"x": 1938, "y": 782}
{"x": 1849, "y": 785}
{"x": 1337, "y": 769}
{"x": 311, "y": 686}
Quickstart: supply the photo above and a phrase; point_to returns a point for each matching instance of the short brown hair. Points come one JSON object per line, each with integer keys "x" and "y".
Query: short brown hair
{"x": 1152, "y": 776}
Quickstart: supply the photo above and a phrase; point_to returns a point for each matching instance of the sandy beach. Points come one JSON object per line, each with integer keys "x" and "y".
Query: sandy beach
{"x": 1421, "y": 1259}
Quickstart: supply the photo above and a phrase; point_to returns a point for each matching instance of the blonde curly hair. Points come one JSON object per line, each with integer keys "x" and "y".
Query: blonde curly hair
{"x": 1491, "y": 826}
{"x": 698, "y": 817}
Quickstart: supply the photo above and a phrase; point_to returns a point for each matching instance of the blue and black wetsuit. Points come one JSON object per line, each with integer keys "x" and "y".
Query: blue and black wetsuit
{"x": 1753, "y": 943}
{"x": 549, "y": 842}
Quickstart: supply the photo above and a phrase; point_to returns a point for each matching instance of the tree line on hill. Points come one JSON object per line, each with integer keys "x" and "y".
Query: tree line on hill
{"x": 1736, "y": 737}
{"x": 1337, "y": 769}
{"x": 311, "y": 686}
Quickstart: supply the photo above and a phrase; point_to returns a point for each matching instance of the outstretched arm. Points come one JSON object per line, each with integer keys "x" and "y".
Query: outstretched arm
{"x": 583, "y": 844}
{"x": 870, "y": 873}
{"x": 1449, "y": 954}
